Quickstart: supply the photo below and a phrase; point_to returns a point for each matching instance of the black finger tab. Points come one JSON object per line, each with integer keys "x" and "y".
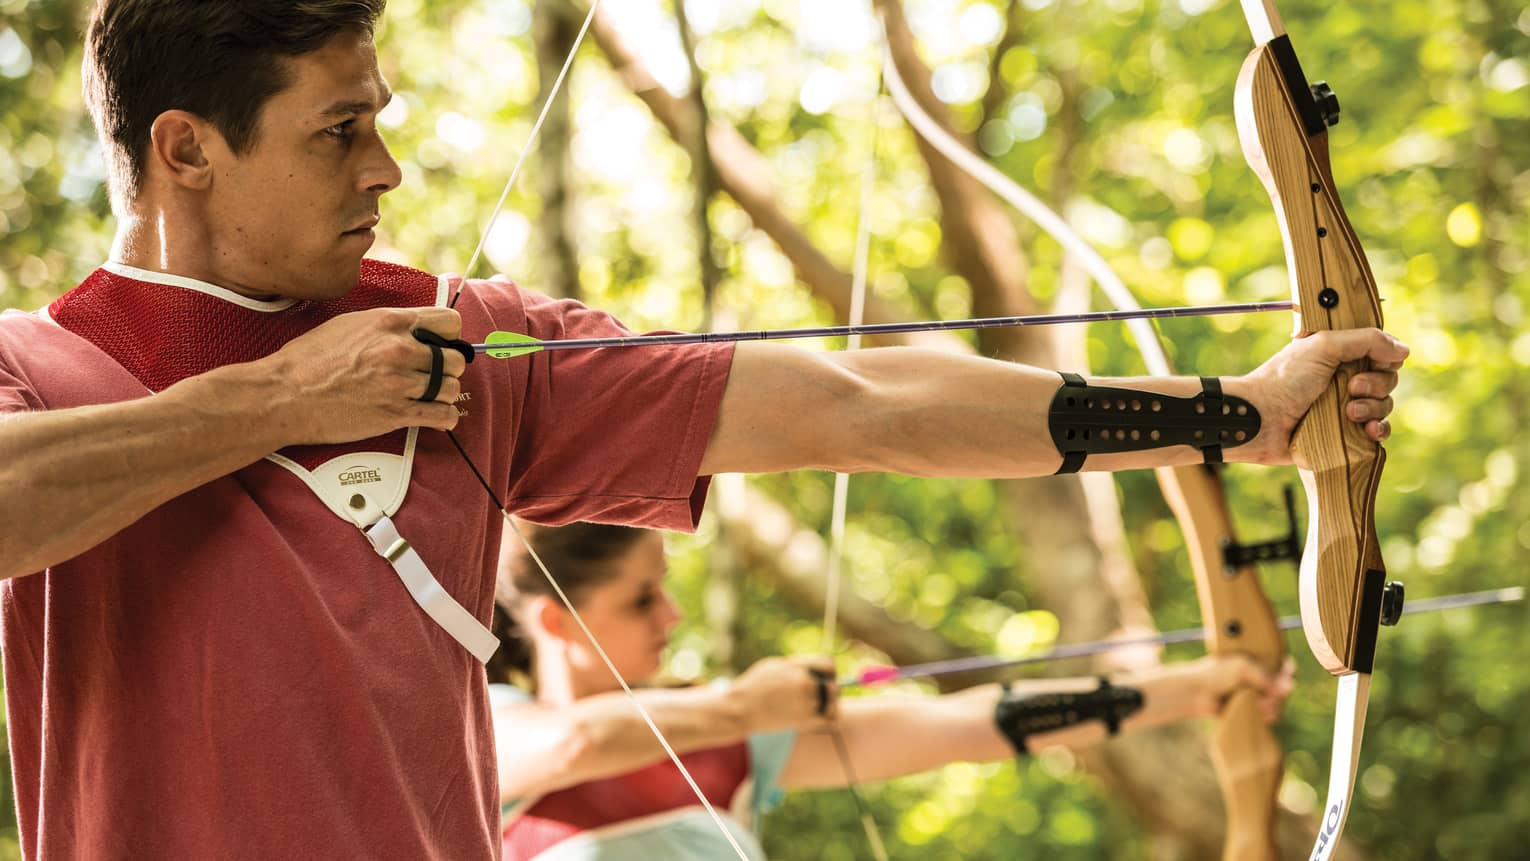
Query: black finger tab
{"x": 437, "y": 362}
{"x": 823, "y": 679}
{"x": 431, "y": 339}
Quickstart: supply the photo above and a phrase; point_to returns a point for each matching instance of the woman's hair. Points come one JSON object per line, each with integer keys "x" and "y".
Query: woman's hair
{"x": 581, "y": 555}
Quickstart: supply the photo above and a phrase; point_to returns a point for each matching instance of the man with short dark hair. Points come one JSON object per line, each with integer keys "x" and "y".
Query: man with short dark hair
{"x": 246, "y": 593}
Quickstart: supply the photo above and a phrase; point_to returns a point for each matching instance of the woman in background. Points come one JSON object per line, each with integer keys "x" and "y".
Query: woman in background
{"x": 582, "y": 777}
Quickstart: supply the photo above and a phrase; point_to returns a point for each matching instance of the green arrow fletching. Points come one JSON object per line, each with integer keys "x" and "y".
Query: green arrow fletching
{"x": 511, "y": 339}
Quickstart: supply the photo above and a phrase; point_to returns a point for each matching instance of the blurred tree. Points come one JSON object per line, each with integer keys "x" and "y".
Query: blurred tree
{"x": 1119, "y": 112}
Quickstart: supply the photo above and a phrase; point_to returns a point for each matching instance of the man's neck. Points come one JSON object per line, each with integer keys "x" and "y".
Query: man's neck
{"x": 144, "y": 241}
{"x": 138, "y": 243}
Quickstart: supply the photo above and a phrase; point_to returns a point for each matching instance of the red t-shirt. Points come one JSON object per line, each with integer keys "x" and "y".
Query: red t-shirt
{"x": 238, "y": 673}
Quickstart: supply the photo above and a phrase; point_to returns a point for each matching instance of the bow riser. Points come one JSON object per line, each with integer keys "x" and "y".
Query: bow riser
{"x": 1239, "y": 620}
{"x": 1282, "y": 124}
{"x": 1342, "y": 573}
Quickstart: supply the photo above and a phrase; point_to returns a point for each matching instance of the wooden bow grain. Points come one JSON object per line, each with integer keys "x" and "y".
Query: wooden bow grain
{"x": 1283, "y": 125}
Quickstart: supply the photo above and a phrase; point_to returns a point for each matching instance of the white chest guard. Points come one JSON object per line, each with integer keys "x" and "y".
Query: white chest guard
{"x": 137, "y": 317}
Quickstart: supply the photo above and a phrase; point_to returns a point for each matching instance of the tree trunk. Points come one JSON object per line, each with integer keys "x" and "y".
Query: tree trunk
{"x": 554, "y": 25}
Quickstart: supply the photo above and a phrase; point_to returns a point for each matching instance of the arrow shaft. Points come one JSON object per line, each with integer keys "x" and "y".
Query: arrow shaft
{"x": 890, "y": 328}
{"x": 1187, "y": 635}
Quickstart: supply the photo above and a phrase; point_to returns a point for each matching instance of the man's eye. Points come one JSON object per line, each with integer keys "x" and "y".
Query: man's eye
{"x": 341, "y": 130}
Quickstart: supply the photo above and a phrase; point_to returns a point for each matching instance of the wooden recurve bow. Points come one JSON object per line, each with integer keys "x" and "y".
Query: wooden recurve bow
{"x": 1236, "y": 612}
{"x": 1283, "y": 125}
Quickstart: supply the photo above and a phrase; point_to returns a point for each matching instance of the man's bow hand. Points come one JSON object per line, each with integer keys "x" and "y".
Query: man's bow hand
{"x": 1286, "y": 386}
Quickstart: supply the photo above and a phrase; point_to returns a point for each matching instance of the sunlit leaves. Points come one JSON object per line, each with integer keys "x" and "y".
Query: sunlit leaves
{"x": 1118, "y": 112}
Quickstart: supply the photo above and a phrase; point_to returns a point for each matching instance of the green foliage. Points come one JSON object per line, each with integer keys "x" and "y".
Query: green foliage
{"x": 1431, "y": 159}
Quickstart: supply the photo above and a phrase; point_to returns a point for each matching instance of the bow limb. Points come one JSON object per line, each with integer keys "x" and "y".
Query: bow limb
{"x": 1234, "y": 607}
{"x": 1283, "y": 125}
{"x": 1238, "y": 619}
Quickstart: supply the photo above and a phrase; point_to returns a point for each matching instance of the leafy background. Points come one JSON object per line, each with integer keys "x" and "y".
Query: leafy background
{"x": 1433, "y": 159}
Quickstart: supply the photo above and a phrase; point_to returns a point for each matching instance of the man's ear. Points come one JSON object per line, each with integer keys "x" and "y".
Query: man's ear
{"x": 178, "y": 144}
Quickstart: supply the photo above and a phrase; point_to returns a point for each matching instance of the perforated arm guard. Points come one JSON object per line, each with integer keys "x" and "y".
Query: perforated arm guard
{"x": 1087, "y": 420}
{"x": 1020, "y": 717}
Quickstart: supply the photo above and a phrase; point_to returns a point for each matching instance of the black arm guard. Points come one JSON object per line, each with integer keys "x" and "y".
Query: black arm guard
{"x": 1019, "y": 717}
{"x": 1087, "y": 420}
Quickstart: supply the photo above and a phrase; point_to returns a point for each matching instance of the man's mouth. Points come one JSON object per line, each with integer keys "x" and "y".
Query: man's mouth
{"x": 365, "y": 227}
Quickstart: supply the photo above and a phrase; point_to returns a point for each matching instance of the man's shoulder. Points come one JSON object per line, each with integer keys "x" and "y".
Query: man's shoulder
{"x": 393, "y": 285}
{"x": 14, "y": 317}
{"x": 511, "y": 306}
{"x": 17, "y": 325}
{"x": 501, "y": 294}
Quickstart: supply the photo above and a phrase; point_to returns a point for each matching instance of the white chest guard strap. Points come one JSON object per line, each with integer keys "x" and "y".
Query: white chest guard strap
{"x": 428, "y": 593}
{"x": 386, "y": 478}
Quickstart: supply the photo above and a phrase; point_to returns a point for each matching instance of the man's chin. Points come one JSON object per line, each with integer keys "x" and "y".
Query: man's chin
{"x": 339, "y": 278}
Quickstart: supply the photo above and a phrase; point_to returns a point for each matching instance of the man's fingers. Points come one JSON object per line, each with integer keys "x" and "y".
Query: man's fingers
{"x": 450, "y": 388}
{"x": 1385, "y": 352}
{"x": 1285, "y": 680}
{"x": 1372, "y": 384}
{"x": 1368, "y": 409}
{"x": 445, "y": 322}
{"x": 1274, "y": 697}
{"x": 433, "y": 415}
{"x": 440, "y": 365}
{"x": 452, "y": 363}
{"x": 1251, "y": 675}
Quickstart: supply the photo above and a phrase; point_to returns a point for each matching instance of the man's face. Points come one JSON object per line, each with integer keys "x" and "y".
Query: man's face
{"x": 294, "y": 215}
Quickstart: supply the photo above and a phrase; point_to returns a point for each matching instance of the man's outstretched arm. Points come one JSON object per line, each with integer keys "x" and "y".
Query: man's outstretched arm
{"x": 922, "y": 412}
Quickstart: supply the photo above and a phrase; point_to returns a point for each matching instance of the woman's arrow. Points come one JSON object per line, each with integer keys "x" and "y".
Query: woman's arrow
{"x": 877, "y": 675}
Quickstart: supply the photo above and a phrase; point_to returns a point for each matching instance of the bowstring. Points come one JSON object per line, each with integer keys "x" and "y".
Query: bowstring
{"x": 1011, "y": 192}
{"x": 520, "y": 161}
{"x": 552, "y": 581}
{"x": 852, "y": 343}
{"x": 834, "y": 573}
{"x": 610, "y": 665}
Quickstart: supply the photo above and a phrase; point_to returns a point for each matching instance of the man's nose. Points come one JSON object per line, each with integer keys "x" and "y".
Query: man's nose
{"x": 380, "y": 173}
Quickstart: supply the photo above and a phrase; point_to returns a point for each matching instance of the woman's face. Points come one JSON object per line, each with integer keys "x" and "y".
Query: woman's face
{"x": 631, "y": 614}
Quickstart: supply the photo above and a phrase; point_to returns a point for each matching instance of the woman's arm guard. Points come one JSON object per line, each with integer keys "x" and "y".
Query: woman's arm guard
{"x": 1021, "y": 716}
